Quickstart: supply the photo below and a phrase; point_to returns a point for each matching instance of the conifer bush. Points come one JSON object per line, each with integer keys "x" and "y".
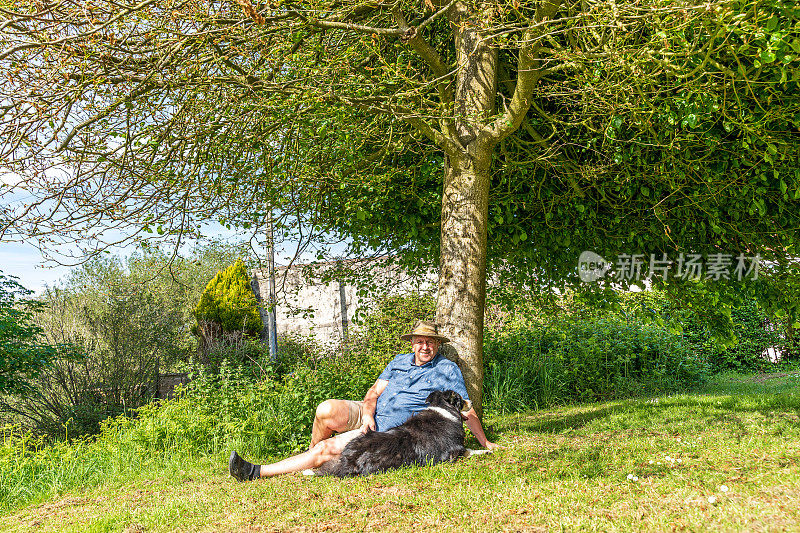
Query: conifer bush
{"x": 228, "y": 305}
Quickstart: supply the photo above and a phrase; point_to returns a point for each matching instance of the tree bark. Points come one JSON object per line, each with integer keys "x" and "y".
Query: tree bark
{"x": 462, "y": 266}
{"x": 465, "y": 204}
{"x": 469, "y": 145}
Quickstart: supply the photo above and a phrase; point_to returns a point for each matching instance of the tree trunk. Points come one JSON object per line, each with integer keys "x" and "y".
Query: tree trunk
{"x": 465, "y": 202}
{"x": 462, "y": 268}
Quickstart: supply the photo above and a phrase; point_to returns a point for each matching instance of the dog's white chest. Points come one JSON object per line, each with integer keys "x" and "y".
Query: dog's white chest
{"x": 447, "y": 414}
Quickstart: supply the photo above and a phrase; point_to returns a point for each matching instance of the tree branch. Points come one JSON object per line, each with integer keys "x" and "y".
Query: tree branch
{"x": 527, "y": 77}
{"x": 444, "y": 75}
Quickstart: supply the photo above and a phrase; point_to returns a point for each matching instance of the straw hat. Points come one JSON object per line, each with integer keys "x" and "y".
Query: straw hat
{"x": 424, "y": 328}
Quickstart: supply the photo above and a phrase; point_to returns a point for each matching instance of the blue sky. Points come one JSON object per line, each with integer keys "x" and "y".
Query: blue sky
{"x": 23, "y": 259}
{"x": 25, "y": 262}
{"x": 35, "y": 272}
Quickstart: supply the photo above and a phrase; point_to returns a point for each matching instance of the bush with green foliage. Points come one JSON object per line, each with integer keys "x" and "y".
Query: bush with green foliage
{"x": 393, "y": 316}
{"x": 228, "y": 302}
{"x": 727, "y": 326}
{"x": 119, "y": 332}
{"x": 23, "y": 355}
{"x": 263, "y": 417}
{"x": 751, "y": 334}
{"x": 116, "y": 322}
{"x": 532, "y": 365}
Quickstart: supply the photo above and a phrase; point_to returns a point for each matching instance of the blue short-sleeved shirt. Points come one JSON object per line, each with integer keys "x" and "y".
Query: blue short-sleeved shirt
{"x": 409, "y": 386}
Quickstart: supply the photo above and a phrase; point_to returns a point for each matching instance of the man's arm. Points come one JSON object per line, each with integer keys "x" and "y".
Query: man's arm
{"x": 474, "y": 425}
{"x": 370, "y": 403}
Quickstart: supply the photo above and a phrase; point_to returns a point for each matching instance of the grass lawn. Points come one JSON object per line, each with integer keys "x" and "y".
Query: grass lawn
{"x": 723, "y": 458}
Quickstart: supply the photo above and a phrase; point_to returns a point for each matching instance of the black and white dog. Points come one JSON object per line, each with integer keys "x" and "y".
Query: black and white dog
{"x": 432, "y": 436}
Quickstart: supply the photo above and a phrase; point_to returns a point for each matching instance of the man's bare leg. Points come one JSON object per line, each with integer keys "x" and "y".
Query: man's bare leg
{"x": 316, "y": 456}
{"x": 331, "y": 417}
{"x": 321, "y": 453}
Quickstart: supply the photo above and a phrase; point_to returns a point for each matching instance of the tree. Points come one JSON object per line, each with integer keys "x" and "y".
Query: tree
{"x": 22, "y": 352}
{"x": 544, "y": 128}
{"x": 116, "y": 324}
{"x": 228, "y": 305}
{"x": 116, "y": 336}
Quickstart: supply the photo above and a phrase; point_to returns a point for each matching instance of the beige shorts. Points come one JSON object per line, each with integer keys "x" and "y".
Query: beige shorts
{"x": 353, "y": 428}
{"x": 354, "y": 420}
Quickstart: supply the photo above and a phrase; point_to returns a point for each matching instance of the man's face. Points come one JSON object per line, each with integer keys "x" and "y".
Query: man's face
{"x": 424, "y": 348}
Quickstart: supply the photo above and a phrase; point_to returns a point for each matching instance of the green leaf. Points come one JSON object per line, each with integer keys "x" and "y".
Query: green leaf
{"x": 772, "y": 23}
{"x": 767, "y": 56}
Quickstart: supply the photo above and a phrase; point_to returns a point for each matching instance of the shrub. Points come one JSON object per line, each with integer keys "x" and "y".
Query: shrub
{"x": 753, "y": 335}
{"x": 218, "y": 412}
{"x": 118, "y": 332}
{"x": 268, "y": 412}
{"x": 518, "y": 373}
{"x": 730, "y": 337}
{"x": 609, "y": 358}
{"x": 531, "y": 365}
{"x": 229, "y": 302}
{"x": 22, "y": 354}
{"x": 393, "y": 316}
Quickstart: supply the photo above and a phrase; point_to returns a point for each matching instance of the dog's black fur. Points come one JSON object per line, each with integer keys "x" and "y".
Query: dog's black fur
{"x": 427, "y": 438}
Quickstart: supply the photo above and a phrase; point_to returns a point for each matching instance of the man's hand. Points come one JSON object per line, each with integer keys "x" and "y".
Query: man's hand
{"x": 370, "y": 402}
{"x": 367, "y": 424}
{"x": 492, "y": 446}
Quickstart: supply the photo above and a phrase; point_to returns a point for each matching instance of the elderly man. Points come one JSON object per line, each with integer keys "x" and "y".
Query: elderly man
{"x": 399, "y": 392}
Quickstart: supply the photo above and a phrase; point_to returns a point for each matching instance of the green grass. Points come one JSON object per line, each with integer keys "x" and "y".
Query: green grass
{"x": 569, "y": 468}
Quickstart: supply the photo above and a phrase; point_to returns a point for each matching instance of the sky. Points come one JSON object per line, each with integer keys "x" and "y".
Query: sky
{"x": 35, "y": 272}
{"x": 23, "y": 259}
{"x": 26, "y": 262}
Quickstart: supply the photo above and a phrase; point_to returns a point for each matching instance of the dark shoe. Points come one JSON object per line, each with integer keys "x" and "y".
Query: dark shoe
{"x": 241, "y": 470}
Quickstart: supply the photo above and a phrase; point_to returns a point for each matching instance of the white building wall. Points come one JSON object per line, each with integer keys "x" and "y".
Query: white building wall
{"x": 308, "y": 306}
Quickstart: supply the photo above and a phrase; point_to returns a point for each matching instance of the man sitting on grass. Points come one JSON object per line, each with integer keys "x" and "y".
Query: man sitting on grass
{"x": 399, "y": 392}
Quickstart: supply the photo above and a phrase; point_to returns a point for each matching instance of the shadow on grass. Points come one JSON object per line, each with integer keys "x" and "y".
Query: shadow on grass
{"x": 717, "y": 403}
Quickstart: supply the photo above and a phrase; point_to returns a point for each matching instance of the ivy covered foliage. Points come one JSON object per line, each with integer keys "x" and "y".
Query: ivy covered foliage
{"x": 624, "y": 151}
{"x": 22, "y": 354}
{"x": 229, "y": 302}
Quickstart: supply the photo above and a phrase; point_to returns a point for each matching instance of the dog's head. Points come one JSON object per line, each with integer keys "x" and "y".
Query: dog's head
{"x": 449, "y": 399}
